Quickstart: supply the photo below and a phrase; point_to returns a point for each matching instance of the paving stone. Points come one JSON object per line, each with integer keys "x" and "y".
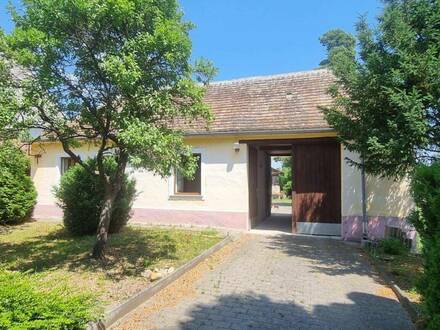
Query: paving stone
{"x": 288, "y": 282}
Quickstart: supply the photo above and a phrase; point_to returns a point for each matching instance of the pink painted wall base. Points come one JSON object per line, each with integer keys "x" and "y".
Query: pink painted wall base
{"x": 232, "y": 220}
{"x": 352, "y": 227}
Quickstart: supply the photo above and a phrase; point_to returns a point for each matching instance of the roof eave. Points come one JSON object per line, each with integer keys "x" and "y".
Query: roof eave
{"x": 260, "y": 132}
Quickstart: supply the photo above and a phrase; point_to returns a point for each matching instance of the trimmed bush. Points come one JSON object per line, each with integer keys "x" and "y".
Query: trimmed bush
{"x": 426, "y": 219}
{"x": 392, "y": 246}
{"x": 17, "y": 191}
{"x": 23, "y": 306}
{"x": 80, "y": 195}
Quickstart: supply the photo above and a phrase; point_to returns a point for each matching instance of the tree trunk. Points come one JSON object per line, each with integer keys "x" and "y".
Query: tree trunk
{"x": 104, "y": 223}
{"x": 112, "y": 187}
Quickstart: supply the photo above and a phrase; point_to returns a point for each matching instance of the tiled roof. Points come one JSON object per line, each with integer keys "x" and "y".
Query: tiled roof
{"x": 287, "y": 102}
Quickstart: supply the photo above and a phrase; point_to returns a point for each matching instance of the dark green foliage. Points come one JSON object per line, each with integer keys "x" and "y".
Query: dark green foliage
{"x": 118, "y": 72}
{"x": 392, "y": 246}
{"x": 285, "y": 176}
{"x": 337, "y": 40}
{"x": 387, "y": 108}
{"x": 425, "y": 187}
{"x": 17, "y": 191}
{"x": 426, "y": 219}
{"x": 435, "y": 323}
{"x": 81, "y": 194}
{"x": 387, "y": 99}
{"x": 429, "y": 285}
{"x": 23, "y": 306}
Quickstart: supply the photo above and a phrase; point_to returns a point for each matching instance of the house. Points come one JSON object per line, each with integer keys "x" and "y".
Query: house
{"x": 255, "y": 118}
{"x": 276, "y": 190}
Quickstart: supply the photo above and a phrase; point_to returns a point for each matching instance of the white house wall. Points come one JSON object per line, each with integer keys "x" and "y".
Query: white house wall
{"x": 388, "y": 202}
{"x": 224, "y": 200}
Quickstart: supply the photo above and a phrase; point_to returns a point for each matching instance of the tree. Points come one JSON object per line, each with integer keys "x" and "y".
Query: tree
{"x": 387, "y": 108}
{"x": 17, "y": 191}
{"x": 386, "y": 100}
{"x": 285, "y": 176}
{"x": 337, "y": 40}
{"x": 115, "y": 72}
{"x": 7, "y": 97}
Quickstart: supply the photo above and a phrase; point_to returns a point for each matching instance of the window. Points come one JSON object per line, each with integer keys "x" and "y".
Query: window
{"x": 190, "y": 186}
{"x": 66, "y": 163}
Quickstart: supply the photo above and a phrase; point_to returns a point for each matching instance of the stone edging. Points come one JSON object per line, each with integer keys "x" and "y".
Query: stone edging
{"x": 404, "y": 301}
{"x": 117, "y": 313}
{"x": 407, "y": 305}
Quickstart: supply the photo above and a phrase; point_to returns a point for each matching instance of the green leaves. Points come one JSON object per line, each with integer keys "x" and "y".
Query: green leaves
{"x": 157, "y": 149}
{"x": 116, "y": 71}
{"x": 17, "y": 191}
{"x": 24, "y": 306}
{"x": 386, "y": 101}
{"x": 336, "y": 41}
{"x": 425, "y": 217}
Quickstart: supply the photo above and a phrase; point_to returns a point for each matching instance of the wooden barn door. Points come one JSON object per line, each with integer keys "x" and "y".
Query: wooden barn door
{"x": 316, "y": 205}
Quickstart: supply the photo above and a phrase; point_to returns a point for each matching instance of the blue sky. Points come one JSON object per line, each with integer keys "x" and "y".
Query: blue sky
{"x": 261, "y": 37}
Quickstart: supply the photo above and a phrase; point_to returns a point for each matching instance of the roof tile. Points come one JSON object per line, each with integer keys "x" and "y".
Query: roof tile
{"x": 273, "y": 103}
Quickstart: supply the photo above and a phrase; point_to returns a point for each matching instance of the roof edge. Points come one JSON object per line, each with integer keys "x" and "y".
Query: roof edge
{"x": 261, "y": 132}
{"x": 269, "y": 77}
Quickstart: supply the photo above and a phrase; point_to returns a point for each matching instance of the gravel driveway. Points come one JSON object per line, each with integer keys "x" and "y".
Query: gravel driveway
{"x": 280, "y": 282}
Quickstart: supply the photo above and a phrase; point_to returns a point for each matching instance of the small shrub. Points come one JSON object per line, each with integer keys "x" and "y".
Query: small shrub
{"x": 429, "y": 284}
{"x": 80, "y": 195}
{"x": 392, "y": 246}
{"x": 425, "y": 217}
{"x": 23, "y": 306}
{"x": 17, "y": 191}
{"x": 434, "y": 324}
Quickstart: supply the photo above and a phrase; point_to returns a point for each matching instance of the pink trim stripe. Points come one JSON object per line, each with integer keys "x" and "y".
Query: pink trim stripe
{"x": 352, "y": 227}
{"x": 232, "y": 220}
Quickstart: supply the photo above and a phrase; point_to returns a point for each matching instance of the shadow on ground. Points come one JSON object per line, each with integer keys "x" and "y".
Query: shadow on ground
{"x": 250, "y": 311}
{"x": 128, "y": 253}
{"x": 328, "y": 256}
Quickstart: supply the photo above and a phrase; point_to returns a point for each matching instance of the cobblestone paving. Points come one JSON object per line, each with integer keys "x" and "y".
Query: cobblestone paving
{"x": 287, "y": 282}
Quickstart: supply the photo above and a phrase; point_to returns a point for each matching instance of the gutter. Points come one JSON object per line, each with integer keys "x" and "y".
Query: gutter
{"x": 261, "y": 132}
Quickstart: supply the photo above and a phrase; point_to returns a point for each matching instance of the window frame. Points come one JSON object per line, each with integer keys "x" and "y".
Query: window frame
{"x": 62, "y": 159}
{"x": 183, "y": 193}
{"x": 172, "y": 182}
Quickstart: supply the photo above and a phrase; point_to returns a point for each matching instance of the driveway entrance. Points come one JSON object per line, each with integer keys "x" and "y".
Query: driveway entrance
{"x": 280, "y": 282}
{"x": 316, "y": 183}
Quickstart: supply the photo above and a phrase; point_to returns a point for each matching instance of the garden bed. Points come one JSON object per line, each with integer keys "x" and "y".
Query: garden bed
{"x": 404, "y": 270}
{"x": 51, "y": 259}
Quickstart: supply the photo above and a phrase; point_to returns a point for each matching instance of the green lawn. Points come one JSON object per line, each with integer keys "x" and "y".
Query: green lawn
{"x": 282, "y": 201}
{"x": 404, "y": 269}
{"x": 51, "y": 258}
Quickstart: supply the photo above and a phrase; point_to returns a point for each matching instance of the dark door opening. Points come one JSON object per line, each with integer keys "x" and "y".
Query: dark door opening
{"x": 315, "y": 207}
{"x": 270, "y": 206}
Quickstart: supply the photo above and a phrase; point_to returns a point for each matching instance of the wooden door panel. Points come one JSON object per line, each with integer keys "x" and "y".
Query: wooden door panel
{"x": 317, "y": 182}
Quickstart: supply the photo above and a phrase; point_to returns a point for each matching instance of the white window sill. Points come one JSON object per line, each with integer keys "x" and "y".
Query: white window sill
{"x": 183, "y": 197}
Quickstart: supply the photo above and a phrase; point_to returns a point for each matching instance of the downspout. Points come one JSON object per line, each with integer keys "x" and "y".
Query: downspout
{"x": 364, "y": 203}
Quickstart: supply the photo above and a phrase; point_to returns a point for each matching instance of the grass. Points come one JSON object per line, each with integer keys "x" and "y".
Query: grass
{"x": 53, "y": 258}
{"x": 404, "y": 269}
{"x": 282, "y": 201}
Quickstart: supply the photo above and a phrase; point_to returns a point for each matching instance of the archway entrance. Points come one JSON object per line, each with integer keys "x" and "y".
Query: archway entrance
{"x": 316, "y": 186}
